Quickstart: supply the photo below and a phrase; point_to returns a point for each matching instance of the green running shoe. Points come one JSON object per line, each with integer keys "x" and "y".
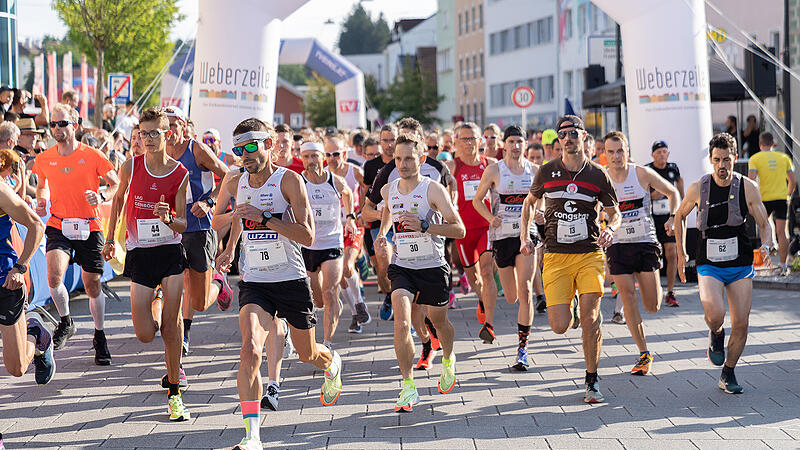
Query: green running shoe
{"x": 332, "y": 386}
{"x": 448, "y": 378}
{"x": 249, "y": 444}
{"x": 408, "y": 398}
{"x": 177, "y": 412}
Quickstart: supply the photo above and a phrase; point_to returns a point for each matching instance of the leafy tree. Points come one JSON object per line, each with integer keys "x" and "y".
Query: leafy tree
{"x": 360, "y": 34}
{"x": 411, "y": 94}
{"x": 294, "y": 74}
{"x": 121, "y": 36}
{"x": 320, "y": 102}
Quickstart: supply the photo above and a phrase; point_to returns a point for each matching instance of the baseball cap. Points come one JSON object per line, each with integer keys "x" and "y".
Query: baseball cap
{"x": 213, "y": 132}
{"x": 657, "y": 145}
{"x": 174, "y": 111}
{"x": 570, "y": 121}
{"x": 548, "y": 136}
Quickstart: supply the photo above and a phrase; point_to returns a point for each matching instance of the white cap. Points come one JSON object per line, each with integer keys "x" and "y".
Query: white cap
{"x": 174, "y": 111}
{"x": 213, "y": 132}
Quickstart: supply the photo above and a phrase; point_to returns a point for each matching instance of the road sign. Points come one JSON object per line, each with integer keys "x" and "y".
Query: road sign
{"x": 120, "y": 85}
{"x": 522, "y": 97}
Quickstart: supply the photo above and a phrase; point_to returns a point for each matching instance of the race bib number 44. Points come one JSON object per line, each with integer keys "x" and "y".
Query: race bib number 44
{"x": 153, "y": 231}
{"x": 569, "y": 232}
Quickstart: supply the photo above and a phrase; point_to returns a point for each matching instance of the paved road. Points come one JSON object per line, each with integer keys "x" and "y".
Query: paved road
{"x": 679, "y": 406}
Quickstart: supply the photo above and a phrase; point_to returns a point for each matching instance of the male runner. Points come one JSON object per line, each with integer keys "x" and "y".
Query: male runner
{"x": 69, "y": 175}
{"x": 634, "y": 255}
{"x": 323, "y": 258}
{"x": 775, "y": 174}
{"x": 724, "y": 253}
{"x": 23, "y": 340}
{"x": 572, "y": 187}
{"x": 509, "y": 180}
{"x": 491, "y": 134}
{"x": 336, "y": 156}
{"x": 273, "y": 217}
{"x": 153, "y": 191}
{"x": 283, "y": 154}
{"x": 661, "y": 212}
{"x": 199, "y": 240}
{"x": 416, "y": 207}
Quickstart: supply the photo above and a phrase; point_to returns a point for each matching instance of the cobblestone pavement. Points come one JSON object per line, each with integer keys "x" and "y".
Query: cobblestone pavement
{"x": 678, "y": 406}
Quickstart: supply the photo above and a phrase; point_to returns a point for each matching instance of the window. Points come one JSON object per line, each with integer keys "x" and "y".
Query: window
{"x": 445, "y": 22}
{"x": 595, "y": 17}
{"x": 466, "y": 64}
{"x": 277, "y": 118}
{"x": 443, "y": 61}
{"x": 474, "y": 66}
{"x": 582, "y": 20}
{"x": 459, "y": 25}
{"x": 568, "y": 24}
{"x": 505, "y": 41}
{"x": 460, "y": 69}
{"x": 500, "y": 94}
{"x": 482, "y": 73}
{"x": 480, "y": 15}
{"x": 466, "y": 21}
{"x": 519, "y": 40}
{"x": 493, "y": 50}
{"x": 296, "y": 120}
{"x": 568, "y": 83}
{"x": 483, "y": 113}
{"x": 474, "y": 20}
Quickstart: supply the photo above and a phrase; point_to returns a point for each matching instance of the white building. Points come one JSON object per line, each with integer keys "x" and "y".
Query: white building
{"x": 371, "y": 64}
{"x": 407, "y": 36}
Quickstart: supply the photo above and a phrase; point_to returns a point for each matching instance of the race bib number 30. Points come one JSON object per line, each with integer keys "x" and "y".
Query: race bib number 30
{"x": 569, "y": 232}
{"x": 75, "y": 229}
{"x": 265, "y": 256}
{"x": 720, "y": 250}
{"x": 414, "y": 246}
{"x": 153, "y": 231}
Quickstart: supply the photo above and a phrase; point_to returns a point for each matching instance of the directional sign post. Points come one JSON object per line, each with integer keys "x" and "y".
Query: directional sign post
{"x": 120, "y": 86}
{"x": 522, "y": 97}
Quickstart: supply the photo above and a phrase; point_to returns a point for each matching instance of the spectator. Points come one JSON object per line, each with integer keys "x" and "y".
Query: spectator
{"x": 6, "y": 97}
{"x": 126, "y": 119}
{"x": 29, "y": 134}
{"x": 10, "y": 116}
{"x": 22, "y": 98}
{"x": 70, "y": 98}
{"x": 750, "y": 137}
{"x": 108, "y": 118}
{"x": 10, "y": 168}
{"x": 731, "y": 125}
{"x": 108, "y": 100}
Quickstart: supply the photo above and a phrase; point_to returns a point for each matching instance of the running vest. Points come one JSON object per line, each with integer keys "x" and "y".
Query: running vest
{"x": 467, "y": 180}
{"x": 8, "y": 257}
{"x": 268, "y": 257}
{"x": 507, "y": 199}
{"x": 353, "y": 184}
{"x": 722, "y": 240}
{"x": 326, "y": 210}
{"x": 201, "y": 183}
{"x": 144, "y": 191}
{"x": 414, "y": 249}
{"x": 634, "y": 204}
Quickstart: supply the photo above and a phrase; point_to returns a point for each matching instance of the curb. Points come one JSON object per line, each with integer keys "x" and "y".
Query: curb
{"x": 782, "y": 285}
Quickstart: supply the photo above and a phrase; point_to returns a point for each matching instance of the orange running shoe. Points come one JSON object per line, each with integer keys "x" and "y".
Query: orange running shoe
{"x": 487, "y": 333}
{"x": 643, "y": 365}
{"x": 480, "y": 313}
{"x": 426, "y": 358}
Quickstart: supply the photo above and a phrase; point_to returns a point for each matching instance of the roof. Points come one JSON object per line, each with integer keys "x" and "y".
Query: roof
{"x": 290, "y": 87}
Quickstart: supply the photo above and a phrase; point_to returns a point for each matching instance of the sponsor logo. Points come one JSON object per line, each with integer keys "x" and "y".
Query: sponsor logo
{"x": 572, "y": 188}
{"x": 272, "y": 185}
{"x": 570, "y": 217}
{"x": 221, "y": 75}
{"x": 67, "y": 170}
{"x": 53, "y": 163}
{"x": 569, "y": 206}
{"x": 348, "y": 106}
{"x": 154, "y": 187}
{"x": 555, "y": 173}
{"x": 416, "y": 196}
{"x": 262, "y": 236}
{"x": 512, "y": 199}
{"x": 82, "y": 161}
{"x": 675, "y": 84}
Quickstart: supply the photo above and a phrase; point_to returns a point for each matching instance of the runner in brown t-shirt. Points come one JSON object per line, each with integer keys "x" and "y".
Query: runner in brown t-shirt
{"x": 572, "y": 186}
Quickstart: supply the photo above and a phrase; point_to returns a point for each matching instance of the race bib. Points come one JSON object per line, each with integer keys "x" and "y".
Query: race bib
{"x": 265, "y": 256}
{"x": 510, "y": 226}
{"x": 631, "y": 231}
{"x": 414, "y": 245}
{"x": 324, "y": 213}
{"x": 75, "y": 229}
{"x": 470, "y": 189}
{"x": 721, "y": 250}
{"x": 153, "y": 231}
{"x": 569, "y": 232}
{"x": 661, "y": 207}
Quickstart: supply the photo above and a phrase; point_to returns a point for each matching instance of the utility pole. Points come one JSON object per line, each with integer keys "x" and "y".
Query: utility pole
{"x": 787, "y": 80}
{"x": 619, "y": 72}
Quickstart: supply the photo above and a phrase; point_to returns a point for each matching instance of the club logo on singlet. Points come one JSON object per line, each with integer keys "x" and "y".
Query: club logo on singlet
{"x": 572, "y": 188}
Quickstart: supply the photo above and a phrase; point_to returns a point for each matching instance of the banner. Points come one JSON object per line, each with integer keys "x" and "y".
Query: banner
{"x": 52, "y": 82}
{"x": 666, "y": 80}
{"x": 84, "y": 88}
{"x": 66, "y": 73}
{"x": 176, "y": 86}
{"x": 38, "y": 75}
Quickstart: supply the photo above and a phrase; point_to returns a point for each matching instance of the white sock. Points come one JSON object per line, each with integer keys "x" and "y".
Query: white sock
{"x": 351, "y": 302}
{"x": 354, "y": 287}
{"x": 61, "y": 299}
{"x": 618, "y": 305}
{"x": 97, "y": 306}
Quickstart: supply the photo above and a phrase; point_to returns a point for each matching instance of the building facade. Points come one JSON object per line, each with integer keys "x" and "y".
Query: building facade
{"x": 470, "y": 59}
{"x": 8, "y": 44}
{"x": 446, "y": 81}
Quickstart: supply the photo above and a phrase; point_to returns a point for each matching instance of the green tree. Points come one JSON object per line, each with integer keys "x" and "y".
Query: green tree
{"x": 120, "y": 36}
{"x": 320, "y": 102}
{"x": 294, "y": 74}
{"x": 360, "y": 34}
{"x": 411, "y": 94}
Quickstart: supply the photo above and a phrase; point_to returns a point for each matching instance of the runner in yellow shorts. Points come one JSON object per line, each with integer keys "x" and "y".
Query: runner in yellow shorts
{"x": 571, "y": 187}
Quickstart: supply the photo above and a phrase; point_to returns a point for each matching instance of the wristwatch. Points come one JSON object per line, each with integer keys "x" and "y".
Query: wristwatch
{"x": 170, "y": 219}
{"x": 610, "y": 228}
{"x": 20, "y": 268}
{"x": 424, "y": 225}
{"x": 266, "y": 216}
{"x": 211, "y": 202}
{"x": 351, "y": 216}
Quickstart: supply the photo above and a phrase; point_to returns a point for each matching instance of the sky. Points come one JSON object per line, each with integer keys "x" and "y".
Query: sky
{"x": 36, "y": 19}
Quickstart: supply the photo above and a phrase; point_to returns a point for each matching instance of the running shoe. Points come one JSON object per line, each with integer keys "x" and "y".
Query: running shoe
{"x": 448, "y": 378}
{"x": 177, "y": 412}
{"x": 716, "y": 348}
{"x": 288, "y": 346}
{"x": 249, "y": 444}
{"x": 487, "y": 333}
{"x": 64, "y": 330}
{"x": 426, "y": 358}
{"x": 463, "y": 283}
{"x": 593, "y": 394}
{"x": 183, "y": 382}
{"x": 728, "y": 384}
{"x": 480, "y": 312}
{"x": 407, "y": 399}
{"x": 386, "y": 308}
{"x": 332, "y": 386}
{"x": 576, "y": 317}
{"x": 521, "y": 364}
{"x": 614, "y": 290}
{"x": 451, "y": 300}
{"x": 43, "y": 359}
{"x": 2, "y": 446}
{"x": 102, "y": 357}
{"x": 435, "y": 344}
{"x": 185, "y": 346}
{"x": 355, "y": 327}
{"x": 363, "y": 268}
{"x": 362, "y": 314}
{"x": 671, "y": 300}
{"x": 225, "y": 296}
{"x": 618, "y": 318}
{"x": 642, "y": 367}
{"x": 541, "y": 304}
{"x": 270, "y": 399}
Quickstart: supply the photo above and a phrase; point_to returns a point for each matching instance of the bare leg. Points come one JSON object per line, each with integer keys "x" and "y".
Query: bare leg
{"x": 671, "y": 254}
{"x": 590, "y": 325}
{"x": 172, "y": 325}
{"x": 626, "y": 284}
{"x": 445, "y": 330}
{"x": 253, "y": 324}
{"x": 18, "y": 347}
{"x": 740, "y": 299}
{"x": 488, "y": 286}
{"x": 403, "y": 344}
{"x": 331, "y": 274}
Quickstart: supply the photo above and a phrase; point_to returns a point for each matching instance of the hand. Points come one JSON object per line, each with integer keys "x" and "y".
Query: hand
{"x": 606, "y": 238}
{"x": 682, "y": 259}
{"x": 350, "y": 227}
{"x": 526, "y": 247}
{"x": 538, "y": 217}
{"x": 41, "y": 207}
{"x": 162, "y": 210}
{"x": 248, "y": 211}
{"x": 14, "y": 280}
{"x": 669, "y": 227}
{"x": 200, "y": 209}
{"x": 42, "y": 100}
{"x": 109, "y": 250}
{"x": 224, "y": 260}
{"x": 360, "y": 221}
{"x": 497, "y": 221}
{"x": 93, "y": 198}
{"x": 410, "y": 222}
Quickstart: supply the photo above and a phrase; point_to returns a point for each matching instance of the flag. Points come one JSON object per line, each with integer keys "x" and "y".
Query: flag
{"x": 52, "y": 84}
{"x": 568, "y": 110}
{"x": 84, "y": 88}
{"x": 66, "y": 75}
{"x": 38, "y": 75}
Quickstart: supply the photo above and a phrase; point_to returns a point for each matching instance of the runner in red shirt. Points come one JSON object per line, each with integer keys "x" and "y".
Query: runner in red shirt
{"x": 283, "y": 151}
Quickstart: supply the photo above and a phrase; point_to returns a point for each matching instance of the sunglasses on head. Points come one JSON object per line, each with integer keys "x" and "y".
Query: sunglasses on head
{"x": 571, "y": 133}
{"x": 250, "y": 147}
{"x": 209, "y": 140}
{"x": 61, "y": 123}
{"x": 333, "y": 154}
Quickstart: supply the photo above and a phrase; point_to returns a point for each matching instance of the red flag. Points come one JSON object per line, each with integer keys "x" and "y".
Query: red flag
{"x": 52, "y": 82}
{"x": 38, "y": 74}
{"x": 84, "y": 88}
{"x": 66, "y": 75}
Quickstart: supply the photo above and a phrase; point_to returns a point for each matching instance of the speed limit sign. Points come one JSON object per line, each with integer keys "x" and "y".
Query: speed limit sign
{"x": 522, "y": 97}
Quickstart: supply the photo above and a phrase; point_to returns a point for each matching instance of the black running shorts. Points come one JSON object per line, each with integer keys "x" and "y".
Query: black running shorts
{"x": 149, "y": 266}
{"x": 290, "y": 300}
{"x": 432, "y": 285}
{"x": 86, "y": 254}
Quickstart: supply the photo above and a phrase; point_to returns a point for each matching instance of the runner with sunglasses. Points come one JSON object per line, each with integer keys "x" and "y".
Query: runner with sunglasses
{"x": 69, "y": 177}
{"x": 273, "y": 218}
{"x": 336, "y": 155}
{"x": 572, "y": 188}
